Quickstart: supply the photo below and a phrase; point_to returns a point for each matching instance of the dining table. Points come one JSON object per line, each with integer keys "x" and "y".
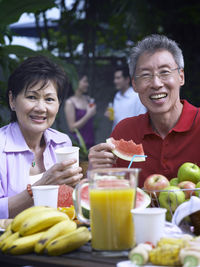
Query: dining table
{"x": 83, "y": 257}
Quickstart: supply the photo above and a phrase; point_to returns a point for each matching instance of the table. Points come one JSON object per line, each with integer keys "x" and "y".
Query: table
{"x": 84, "y": 257}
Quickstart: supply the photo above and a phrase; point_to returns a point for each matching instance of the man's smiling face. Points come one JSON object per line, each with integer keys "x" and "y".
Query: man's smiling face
{"x": 159, "y": 93}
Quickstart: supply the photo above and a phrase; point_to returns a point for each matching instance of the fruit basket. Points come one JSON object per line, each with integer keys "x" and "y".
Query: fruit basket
{"x": 171, "y": 199}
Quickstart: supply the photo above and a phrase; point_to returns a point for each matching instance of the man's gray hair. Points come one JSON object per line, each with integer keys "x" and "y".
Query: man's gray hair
{"x": 151, "y": 44}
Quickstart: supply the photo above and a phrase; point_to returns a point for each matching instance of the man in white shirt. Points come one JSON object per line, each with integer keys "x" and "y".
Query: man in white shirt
{"x": 126, "y": 101}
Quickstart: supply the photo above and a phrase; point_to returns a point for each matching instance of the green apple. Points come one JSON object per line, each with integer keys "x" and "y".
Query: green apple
{"x": 171, "y": 197}
{"x": 174, "y": 181}
{"x": 197, "y": 192}
{"x": 189, "y": 172}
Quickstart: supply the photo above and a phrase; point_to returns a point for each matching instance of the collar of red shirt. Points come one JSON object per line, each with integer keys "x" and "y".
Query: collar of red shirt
{"x": 184, "y": 123}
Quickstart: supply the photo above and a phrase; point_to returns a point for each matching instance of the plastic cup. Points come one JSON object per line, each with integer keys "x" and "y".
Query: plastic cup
{"x": 149, "y": 224}
{"x": 45, "y": 195}
{"x": 67, "y": 153}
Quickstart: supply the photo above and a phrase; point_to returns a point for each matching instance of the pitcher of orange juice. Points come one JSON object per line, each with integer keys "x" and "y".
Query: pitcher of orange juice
{"x": 112, "y": 194}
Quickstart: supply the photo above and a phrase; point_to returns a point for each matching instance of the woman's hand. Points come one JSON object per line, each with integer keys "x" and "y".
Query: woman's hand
{"x": 62, "y": 173}
{"x": 100, "y": 156}
{"x": 91, "y": 110}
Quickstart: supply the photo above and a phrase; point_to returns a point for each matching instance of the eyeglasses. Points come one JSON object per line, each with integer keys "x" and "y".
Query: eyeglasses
{"x": 163, "y": 75}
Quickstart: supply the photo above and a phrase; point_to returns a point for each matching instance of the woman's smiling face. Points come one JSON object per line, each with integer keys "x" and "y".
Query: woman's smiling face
{"x": 158, "y": 94}
{"x": 35, "y": 108}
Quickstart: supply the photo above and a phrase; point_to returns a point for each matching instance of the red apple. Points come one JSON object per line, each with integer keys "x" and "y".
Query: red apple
{"x": 187, "y": 185}
{"x": 155, "y": 182}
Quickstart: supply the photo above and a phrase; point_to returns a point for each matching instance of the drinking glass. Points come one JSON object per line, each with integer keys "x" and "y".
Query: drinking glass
{"x": 112, "y": 194}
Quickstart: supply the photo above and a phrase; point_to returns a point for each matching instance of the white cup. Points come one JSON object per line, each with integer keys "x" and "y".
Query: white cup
{"x": 67, "y": 153}
{"x": 149, "y": 224}
{"x": 45, "y": 195}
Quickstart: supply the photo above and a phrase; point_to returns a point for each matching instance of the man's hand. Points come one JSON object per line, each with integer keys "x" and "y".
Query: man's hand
{"x": 101, "y": 156}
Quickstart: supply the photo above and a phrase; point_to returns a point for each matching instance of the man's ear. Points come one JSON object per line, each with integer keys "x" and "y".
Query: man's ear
{"x": 182, "y": 77}
{"x": 134, "y": 85}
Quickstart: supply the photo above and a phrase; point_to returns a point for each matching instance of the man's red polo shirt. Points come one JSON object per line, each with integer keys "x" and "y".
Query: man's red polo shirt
{"x": 164, "y": 156}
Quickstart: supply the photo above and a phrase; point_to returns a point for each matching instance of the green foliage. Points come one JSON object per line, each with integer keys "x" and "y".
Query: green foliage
{"x": 12, "y": 55}
{"x": 10, "y": 11}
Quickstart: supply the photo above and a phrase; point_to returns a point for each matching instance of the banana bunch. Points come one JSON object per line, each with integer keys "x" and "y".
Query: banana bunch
{"x": 68, "y": 242}
{"x": 37, "y": 228}
{"x": 167, "y": 251}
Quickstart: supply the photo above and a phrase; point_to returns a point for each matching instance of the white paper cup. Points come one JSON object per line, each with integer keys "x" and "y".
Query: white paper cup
{"x": 149, "y": 224}
{"x": 45, "y": 195}
{"x": 67, "y": 153}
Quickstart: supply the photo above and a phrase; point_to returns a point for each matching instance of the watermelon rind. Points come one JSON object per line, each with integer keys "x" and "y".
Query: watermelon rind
{"x": 146, "y": 199}
{"x": 122, "y": 156}
{"x": 84, "y": 204}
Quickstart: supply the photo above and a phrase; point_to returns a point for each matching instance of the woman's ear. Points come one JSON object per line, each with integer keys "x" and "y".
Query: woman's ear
{"x": 11, "y": 101}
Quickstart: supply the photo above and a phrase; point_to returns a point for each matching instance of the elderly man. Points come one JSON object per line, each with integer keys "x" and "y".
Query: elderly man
{"x": 170, "y": 130}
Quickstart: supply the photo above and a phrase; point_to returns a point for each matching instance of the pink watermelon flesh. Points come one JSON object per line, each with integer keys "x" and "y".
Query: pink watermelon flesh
{"x": 126, "y": 149}
{"x": 85, "y": 194}
{"x": 65, "y": 196}
{"x": 112, "y": 183}
{"x": 143, "y": 200}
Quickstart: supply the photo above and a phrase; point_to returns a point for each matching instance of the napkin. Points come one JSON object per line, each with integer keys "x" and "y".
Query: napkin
{"x": 186, "y": 209}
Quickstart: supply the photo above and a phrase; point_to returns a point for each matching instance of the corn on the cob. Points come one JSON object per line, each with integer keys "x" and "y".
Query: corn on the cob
{"x": 167, "y": 254}
{"x": 172, "y": 241}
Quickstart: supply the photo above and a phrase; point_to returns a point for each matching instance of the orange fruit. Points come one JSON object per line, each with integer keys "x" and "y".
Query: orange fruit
{"x": 70, "y": 211}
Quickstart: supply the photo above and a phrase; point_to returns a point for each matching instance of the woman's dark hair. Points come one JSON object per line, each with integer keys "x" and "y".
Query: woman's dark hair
{"x": 32, "y": 71}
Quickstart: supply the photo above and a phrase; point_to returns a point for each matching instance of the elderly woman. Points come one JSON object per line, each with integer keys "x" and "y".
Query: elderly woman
{"x": 27, "y": 149}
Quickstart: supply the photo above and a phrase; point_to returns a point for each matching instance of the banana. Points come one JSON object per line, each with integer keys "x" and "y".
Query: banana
{"x": 6, "y": 234}
{"x": 24, "y": 245}
{"x": 68, "y": 242}
{"x": 7, "y": 241}
{"x": 39, "y": 223}
{"x": 22, "y": 216}
{"x": 55, "y": 231}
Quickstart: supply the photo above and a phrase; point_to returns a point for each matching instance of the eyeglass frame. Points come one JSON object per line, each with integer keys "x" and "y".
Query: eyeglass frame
{"x": 149, "y": 77}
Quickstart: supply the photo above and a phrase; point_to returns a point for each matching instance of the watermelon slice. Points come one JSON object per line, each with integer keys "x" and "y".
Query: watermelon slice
{"x": 85, "y": 203}
{"x": 65, "y": 195}
{"x": 126, "y": 149}
{"x": 143, "y": 200}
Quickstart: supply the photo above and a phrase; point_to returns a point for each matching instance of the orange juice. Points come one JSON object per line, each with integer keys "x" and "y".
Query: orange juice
{"x": 111, "y": 219}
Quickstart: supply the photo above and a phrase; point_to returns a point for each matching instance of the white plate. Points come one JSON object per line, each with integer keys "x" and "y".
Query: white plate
{"x": 130, "y": 264}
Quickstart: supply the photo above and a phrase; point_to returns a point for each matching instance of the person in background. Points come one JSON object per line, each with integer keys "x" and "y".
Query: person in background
{"x": 126, "y": 102}
{"x": 27, "y": 149}
{"x": 170, "y": 130}
{"x": 79, "y": 112}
